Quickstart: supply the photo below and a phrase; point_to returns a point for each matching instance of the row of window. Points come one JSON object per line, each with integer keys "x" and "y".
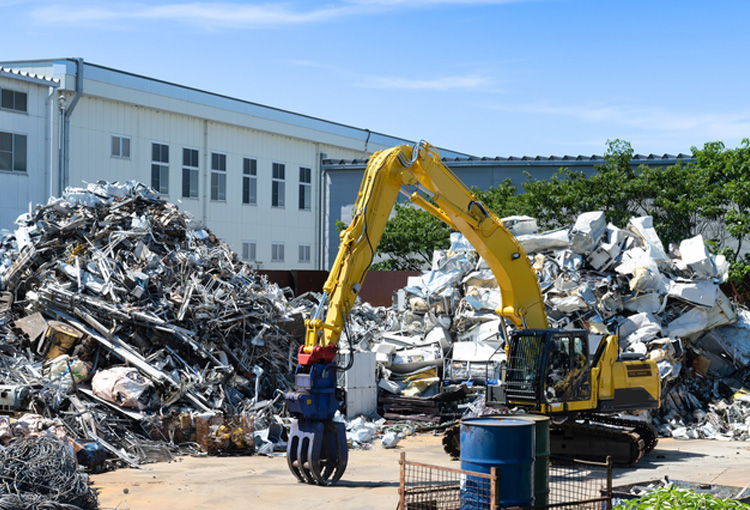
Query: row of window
{"x": 13, "y": 152}
{"x": 191, "y": 175}
{"x": 13, "y": 100}
{"x": 277, "y": 252}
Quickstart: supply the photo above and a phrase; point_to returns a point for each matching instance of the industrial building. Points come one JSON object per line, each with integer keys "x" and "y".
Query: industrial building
{"x": 270, "y": 182}
{"x": 250, "y": 172}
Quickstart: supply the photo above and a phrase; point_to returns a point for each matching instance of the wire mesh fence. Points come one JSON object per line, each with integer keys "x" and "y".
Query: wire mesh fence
{"x": 579, "y": 484}
{"x": 571, "y": 485}
{"x": 426, "y": 487}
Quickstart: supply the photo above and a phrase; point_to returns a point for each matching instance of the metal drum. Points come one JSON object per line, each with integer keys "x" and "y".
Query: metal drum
{"x": 541, "y": 457}
{"x": 507, "y": 444}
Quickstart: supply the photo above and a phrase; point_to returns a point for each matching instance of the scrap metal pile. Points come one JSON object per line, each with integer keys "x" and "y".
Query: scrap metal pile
{"x": 126, "y": 324}
{"x": 664, "y": 304}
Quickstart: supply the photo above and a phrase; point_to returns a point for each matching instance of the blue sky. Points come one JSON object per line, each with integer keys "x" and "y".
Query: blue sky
{"x": 489, "y": 78}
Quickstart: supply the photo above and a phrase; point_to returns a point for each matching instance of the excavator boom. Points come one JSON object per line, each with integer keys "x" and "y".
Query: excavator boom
{"x": 316, "y": 450}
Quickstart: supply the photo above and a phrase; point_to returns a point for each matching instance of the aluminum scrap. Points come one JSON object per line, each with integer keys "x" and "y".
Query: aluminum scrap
{"x": 132, "y": 280}
{"x": 666, "y": 304}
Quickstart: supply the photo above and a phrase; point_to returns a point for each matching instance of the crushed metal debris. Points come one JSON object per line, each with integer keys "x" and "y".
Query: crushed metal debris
{"x": 665, "y": 304}
{"x": 129, "y": 330}
{"x": 128, "y": 327}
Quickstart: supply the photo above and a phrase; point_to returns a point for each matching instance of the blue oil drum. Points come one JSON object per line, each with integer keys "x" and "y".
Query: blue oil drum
{"x": 507, "y": 444}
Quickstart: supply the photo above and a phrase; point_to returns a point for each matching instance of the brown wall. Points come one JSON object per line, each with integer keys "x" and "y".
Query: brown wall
{"x": 377, "y": 290}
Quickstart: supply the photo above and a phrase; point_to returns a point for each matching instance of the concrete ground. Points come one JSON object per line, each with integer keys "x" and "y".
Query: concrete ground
{"x": 371, "y": 478}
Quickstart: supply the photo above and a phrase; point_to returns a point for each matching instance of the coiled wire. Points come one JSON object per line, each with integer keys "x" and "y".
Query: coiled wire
{"x": 42, "y": 474}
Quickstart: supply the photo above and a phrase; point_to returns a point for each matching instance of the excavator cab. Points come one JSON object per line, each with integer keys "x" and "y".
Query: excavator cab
{"x": 548, "y": 366}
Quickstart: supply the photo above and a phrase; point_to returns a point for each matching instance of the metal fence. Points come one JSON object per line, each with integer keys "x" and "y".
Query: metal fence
{"x": 579, "y": 484}
{"x": 427, "y": 487}
{"x": 572, "y": 485}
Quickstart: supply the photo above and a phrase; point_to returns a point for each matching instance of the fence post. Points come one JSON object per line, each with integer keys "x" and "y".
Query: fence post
{"x": 494, "y": 488}
{"x": 402, "y": 482}
{"x": 609, "y": 482}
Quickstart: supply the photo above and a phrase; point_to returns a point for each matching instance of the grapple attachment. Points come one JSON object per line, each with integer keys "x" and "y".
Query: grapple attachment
{"x": 316, "y": 450}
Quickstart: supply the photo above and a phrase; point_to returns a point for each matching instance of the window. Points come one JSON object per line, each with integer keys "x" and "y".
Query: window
{"x": 160, "y": 167}
{"x": 277, "y": 252}
{"x": 218, "y": 176}
{"x": 13, "y": 100}
{"x": 305, "y": 188}
{"x": 120, "y": 147}
{"x": 12, "y": 152}
{"x": 277, "y": 185}
{"x": 248, "y": 251}
{"x": 189, "y": 173}
{"x": 304, "y": 253}
{"x": 249, "y": 181}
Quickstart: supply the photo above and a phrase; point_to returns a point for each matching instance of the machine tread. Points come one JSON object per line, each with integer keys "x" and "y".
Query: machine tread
{"x": 611, "y": 432}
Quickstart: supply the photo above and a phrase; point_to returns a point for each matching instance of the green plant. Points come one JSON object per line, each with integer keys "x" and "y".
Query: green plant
{"x": 677, "y": 498}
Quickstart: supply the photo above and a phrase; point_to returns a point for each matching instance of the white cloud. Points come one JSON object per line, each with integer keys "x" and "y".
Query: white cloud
{"x": 220, "y": 14}
{"x": 470, "y": 82}
{"x": 228, "y": 14}
{"x": 657, "y": 121}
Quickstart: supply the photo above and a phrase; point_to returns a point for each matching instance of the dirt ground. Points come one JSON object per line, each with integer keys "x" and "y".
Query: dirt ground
{"x": 371, "y": 479}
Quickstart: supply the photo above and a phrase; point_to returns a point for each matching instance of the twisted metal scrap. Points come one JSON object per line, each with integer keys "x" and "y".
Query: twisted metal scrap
{"x": 42, "y": 474}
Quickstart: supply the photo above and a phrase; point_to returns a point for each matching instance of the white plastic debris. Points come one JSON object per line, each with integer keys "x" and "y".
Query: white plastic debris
{"x": 390, "y": 439}
{"x": 120, "y": 385}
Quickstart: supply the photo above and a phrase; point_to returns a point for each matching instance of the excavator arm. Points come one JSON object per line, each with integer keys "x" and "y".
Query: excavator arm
{"x": 418, "y": 172}
{"x": 316, "y": 450}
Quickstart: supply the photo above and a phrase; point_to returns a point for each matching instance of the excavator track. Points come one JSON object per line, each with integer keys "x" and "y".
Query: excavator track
{"x": 596, "y": 441}
{"x": 646, "y": 431}
{"x": 626, "y": 441}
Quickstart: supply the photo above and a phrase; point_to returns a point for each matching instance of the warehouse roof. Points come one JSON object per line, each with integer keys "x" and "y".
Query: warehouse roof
{"x": 28, "y": 77}
{"x": 665, "y": 159}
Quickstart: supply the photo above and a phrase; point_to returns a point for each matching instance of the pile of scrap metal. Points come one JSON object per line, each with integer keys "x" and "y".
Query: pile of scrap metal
{"x": 126, "y": 326}
{"x": 665, "y": 304}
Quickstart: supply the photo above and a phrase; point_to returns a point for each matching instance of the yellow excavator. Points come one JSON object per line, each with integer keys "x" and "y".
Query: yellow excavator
{"x": 548, "y": 370}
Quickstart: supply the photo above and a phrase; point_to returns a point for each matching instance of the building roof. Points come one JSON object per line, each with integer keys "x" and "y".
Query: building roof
{"x": 65, "y": 68}
{"x": 28, "y": 77}
{"x": 594, "y": 159}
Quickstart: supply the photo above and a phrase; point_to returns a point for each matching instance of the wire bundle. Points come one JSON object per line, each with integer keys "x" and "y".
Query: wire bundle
{"x": 42, "y": 474}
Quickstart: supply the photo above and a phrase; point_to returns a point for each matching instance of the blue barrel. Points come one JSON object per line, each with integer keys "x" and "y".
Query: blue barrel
{"x": 507, "y": 444}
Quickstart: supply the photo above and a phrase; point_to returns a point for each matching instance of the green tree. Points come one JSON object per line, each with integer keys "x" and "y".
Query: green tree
{"x": 729, "y": 171}
{"x": 409, "y": 239}
{"x": 502, "y": 199}
{"x": 611, "y": 187}
{"x": 556, "y": 202}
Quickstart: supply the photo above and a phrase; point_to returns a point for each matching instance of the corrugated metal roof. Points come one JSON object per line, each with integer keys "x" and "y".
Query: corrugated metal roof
{"x": 594, "y": 158}
{"x": 28, "y": 77}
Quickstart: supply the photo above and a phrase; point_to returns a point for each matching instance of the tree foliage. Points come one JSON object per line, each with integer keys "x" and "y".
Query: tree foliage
{"x": 710, "y": 197}
{"x": 409, "y": 239}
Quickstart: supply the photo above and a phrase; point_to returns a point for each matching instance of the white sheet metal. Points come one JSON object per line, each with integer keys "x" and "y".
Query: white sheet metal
{"x": 692, "y": 321}
{"x": 644, "y": 227}
{"x": 551, "y": 240}
{"x": 587, "y": 231}
{"x": 696, "y": 257}
{"x": 698, "y": 292}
